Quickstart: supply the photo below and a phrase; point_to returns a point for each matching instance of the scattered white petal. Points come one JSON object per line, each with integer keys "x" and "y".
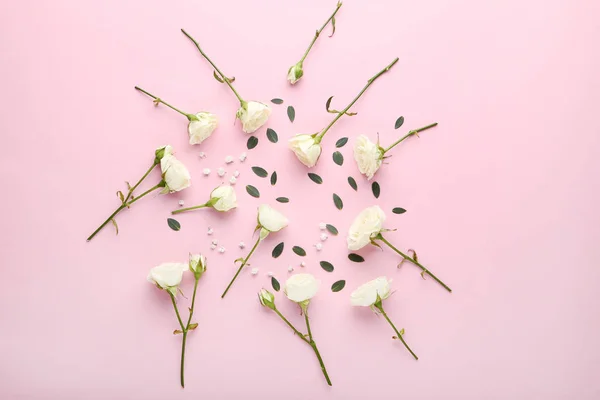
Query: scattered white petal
{"x": 270, "y": 273}
{"x": 290, "y": 268}
{"x": 319, "y": 246}
{"x": 181, "y": 203}
{"x": 242, "y": 245}
{"x": 215, "y": 242}
{"x": 202, "y": 154}
{"x": 221, "y": 171}
{"x": 213, "y": 246}
{"x": 324, "y": 237}
{"x": 209, "y": 231}
{"x": 206, "y": 171}
{"x": 236, "y": 173}
{"x": 232, "y": 180}
{"x": 303, "y": 264}
{"x": 254, "y": 271}
{"x": 322, "y": 226}
{"x": 221, "y": 249}
{"x": 228, "y": 160}
{"x": 243, "y": 156}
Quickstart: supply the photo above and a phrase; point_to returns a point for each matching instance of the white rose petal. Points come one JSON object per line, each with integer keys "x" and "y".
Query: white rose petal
{"x": 175, "y": 174}
{"x": 301, "y": 287}
{"x": 271, "y": 219}
{"x": 167, "y": 275}
{"x": 223, "y": 198}
{"x": 368, "y": 156}
{"x": 253, "y": 115}
{"x": 202, "y": 127}
{"x": 366, "y": 295}
{"x": 365, "y": 227}
{"x": 306, "y": 149}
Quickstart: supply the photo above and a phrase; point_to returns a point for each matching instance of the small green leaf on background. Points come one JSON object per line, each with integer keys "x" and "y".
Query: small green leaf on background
{"x": 277, "y": 250}
{"x": 315, "y": 178}
{"x": 275, "y": 284}
{"x": 327, "y": 266}
{"x": 272, "y": 135}
{"x": 273, "y": 178}
{"x": 291, "y": 113}
{"x": 398, "y": 210}
{"x": 332, "y": 229}
{"x": 376, "y": 189}
{"x": 338, "y": 158}
{"x": 338, "y": 202}
{"x": 283, "y": 199}
{"x": 276, "y": 101}
{"x": 341, "y": 142}
{"x": 399, "y": 122}
{"x": 252, "y": 142}
{"x": 173, "y": 224}
{"x": 355, "y": 257}
{"x": 260, "y": 172}
{"x": 337, "y": 286}
{"x": 352, "y": 183}
{"x": 299, "y": 250}
{"x": 252, "y": 191}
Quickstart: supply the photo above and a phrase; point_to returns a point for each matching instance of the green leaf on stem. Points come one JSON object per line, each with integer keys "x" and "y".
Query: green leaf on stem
{"x": 275, "y": 284}
{"x": 352, "y": 183}
{"x": 272, "y": 135}
{"x": 252, "y": 191}
{"x": 333, "y": 26}
{"x": 356, "y": 257}
{"x": 376, "y": 189}
{"x": 115, "y": 225}
{"x": 327, "y": 104}
{"x": 315, "y": 178}
{"x": 217, "y": 77}
{"x": 338, "y": 158}
{"x": 338, "y": 202}
{"x": 283, "y": 199}
{"x": 276, "y": 101}
{"x": 260, "y": 172}
{"x": 341, "y": 142}
{"x": 299, "y": 251}
{"x": 278, "y": 250}
{"x": 193, "y": 326}
{"x": 173, "y": 224}
{"x": 399, "y": 122}
{"x": 273, "y": 178}
{"x": 332, "y": 229}
{"x": 252, "y": 142}
{"x": 291, "y": 113}
{"x": 398, "y": 210}
{"x": 326, "y": 265}
{"x": 337, "y": 286}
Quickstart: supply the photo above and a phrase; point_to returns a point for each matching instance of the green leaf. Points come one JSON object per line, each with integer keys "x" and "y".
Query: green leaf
{"x": 327, "y": 266}
{"x": 299, "y": 250}
{"x": 252, "y": 142}
{"x": 283, "y": 199}
{"x": 332, "y": 229}
{"x": 277, "y": 250}
{"x": 352, "y": 183}
{"x": 275, "y": 284}
{"x": 273, "y": 178}
{"x": 272, "y": 135}
{"x": 376, "y": 189}
{"x": 260, "y": 172}
{"x": 173, "y": 224}
{"x": 341, "y": 142}
{"x": 338, "y": 158}
{"x": 355, "y": 257}
{"x": 315, "y": 178}
{"x": 252, "y": 191}
{"x": 398, "y": 210}
{"x": 337, "y": 286}
{"x": 291, "y": 113}
{"x": 332, "y": 25}
{"x": 399, "y": 122}
{"x": 217, "y": 77}
{"x": 276, "y": 101}
{"x": 338, "y": 202}
{"x": 328, "y": 103}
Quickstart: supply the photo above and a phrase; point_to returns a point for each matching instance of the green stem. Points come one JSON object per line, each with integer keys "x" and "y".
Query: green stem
{"x": 399, "y": 335}
{"x": 130, "y": 193}
{"x": 223, "y": 77}
{"x": 314, "y": 346}
{"x": 189, "y": 208}
{"x": 159, "y": 100}
{"x": 184, "y": 332}
{"x": 339, "y": 4}
{"x": 412, "y": 260}
{"x": 409, "y": 134}
{"x": 123, "y": 206}
{"x": 296, "y": 331}
{"x": 369, "y": 82}
{"x": 241, "y": 266}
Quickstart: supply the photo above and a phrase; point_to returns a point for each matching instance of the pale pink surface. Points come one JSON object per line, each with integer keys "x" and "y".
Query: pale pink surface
{"x": 502, "y": 199}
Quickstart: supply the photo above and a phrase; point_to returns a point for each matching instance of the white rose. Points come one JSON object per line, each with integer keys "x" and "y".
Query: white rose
{"x": 306, "y": 149}
{"x": 271, "y": 219}
{"x": 295, "y": 73}
{"x": 167, "y": 276}
{"x": 368, "y": 156}
{"x": 163, "y": 151}
{"x": 197, "y": 264}
{"x": 253, "y": 115}
{"x": 202, "y": 127}
{"x": 301, "y": 287}
{"x": 266, "y": 298}
{"x": 365, "y": 227}
{"x": 367, "y": 295}
{"x": 223, "y": 198}
{"x": 175, "y": 174}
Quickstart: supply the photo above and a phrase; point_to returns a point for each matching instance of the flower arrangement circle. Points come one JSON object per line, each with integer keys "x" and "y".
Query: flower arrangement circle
{"x": 367, "y": 228}
{"x": 175, "y": 177}
{"x": 269, "y": 221}
{"x": 299, "y": 288}
{"x": 222, "y": 198}
{"x": 372, "y": 294}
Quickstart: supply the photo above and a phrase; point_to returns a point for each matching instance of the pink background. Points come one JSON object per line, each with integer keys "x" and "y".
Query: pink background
{"x": 502, "y": 198}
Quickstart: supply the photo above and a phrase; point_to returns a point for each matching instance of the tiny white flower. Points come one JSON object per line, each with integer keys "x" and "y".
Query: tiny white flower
{"x": 228, "y": 160}
{"x": 290, "y": 268}
{"x": 371, "y": 292}
{"x": 319, "y": 246}
{"x": 366, "y": 226}
{"x": 221, "y": 171}
{"x": 168, "y": 276}
{"x": 221, "y": 249}
{"x": 201, "y": 127}
{"x": 213, "y": 246}
{"x": 181, "y": 203}
{"x": 223, "y": 198}
{"x": 322, "y": 226}
{"x": 254, "y": 271}
{"x": 270, "y": 273}
{"x": 202, "y": 154}
{"x": 324, "y": 237}
{"x": 210, "y": 231}
{"x": 368, "y": 156}
{"x": 306, "y": 148}
{"x": 242, "y": 245}
{"x": 232, "y": 180}
{"x": 215, "y": 242}
{"x": 175, "y": 174}
{"x": 301, "y": 287}
{"x": 236, "y": 173}
{"x": 303, "y": 264}
{"x": 243, "y": 156}
{"x": 206, "y": 171}
{"x": 253, "y": 115}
